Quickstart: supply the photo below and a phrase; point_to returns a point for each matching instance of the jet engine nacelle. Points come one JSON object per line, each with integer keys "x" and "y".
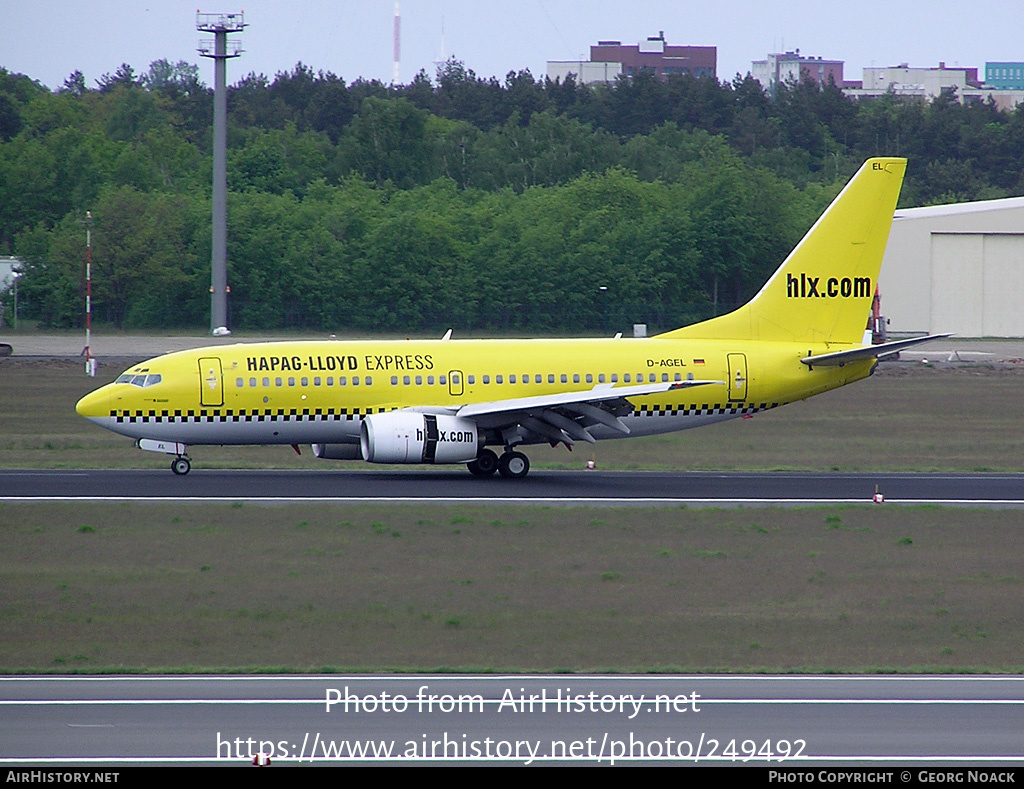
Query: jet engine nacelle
{"x": 411, "y": 437}
{"x": 336, "y": 451}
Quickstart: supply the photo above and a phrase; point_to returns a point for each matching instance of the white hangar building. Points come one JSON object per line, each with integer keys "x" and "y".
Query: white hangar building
{"x": 956, "y": 268}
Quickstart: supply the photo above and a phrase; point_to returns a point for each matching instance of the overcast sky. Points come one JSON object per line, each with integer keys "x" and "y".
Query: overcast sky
{"x": 49, "y": 39}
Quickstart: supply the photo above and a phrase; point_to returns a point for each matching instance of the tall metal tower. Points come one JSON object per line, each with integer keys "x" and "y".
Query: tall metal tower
{"x": 220, "y": 49}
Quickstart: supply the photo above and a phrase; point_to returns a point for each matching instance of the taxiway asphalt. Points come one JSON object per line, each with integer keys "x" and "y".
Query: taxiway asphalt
{"x": 579, "y": 488}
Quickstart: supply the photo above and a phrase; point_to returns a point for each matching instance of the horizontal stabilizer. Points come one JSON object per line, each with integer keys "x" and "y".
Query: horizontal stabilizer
{"x": 839, "y": 358}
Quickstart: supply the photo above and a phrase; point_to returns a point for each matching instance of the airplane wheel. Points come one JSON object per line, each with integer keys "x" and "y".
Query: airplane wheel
{"x": 514, "y": 465}
{"x": 486, "y": 463}
{"x": 181, "y": 466}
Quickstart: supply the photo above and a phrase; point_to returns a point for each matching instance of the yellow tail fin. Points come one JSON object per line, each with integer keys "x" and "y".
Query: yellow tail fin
{"x": 822, "y": 292}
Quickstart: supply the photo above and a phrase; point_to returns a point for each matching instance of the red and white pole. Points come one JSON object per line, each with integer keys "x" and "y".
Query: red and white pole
{"x": 90, "y": 364}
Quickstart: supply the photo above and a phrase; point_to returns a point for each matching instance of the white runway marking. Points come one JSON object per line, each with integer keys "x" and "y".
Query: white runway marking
{"x": 519, "y": 500}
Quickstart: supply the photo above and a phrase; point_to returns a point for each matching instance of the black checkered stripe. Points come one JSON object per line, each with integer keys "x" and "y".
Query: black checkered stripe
{"x": 706, "y": 409}
{"x": 258, "y": 415}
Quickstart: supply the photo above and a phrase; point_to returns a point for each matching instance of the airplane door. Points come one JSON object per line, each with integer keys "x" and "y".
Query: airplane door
{"x": 211, "y": 382}
{"x": 738, "y": 377}
{"x": 455, "y": 385}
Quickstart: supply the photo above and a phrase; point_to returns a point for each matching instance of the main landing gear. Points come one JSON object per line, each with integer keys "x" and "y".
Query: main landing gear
{"x": 181, "y": 466}
{"x": 486, "y": 463}
{"x": 511, "y": 465}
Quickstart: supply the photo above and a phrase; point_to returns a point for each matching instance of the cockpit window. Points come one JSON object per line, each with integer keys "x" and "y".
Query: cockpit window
{"x": 138, "y": 380}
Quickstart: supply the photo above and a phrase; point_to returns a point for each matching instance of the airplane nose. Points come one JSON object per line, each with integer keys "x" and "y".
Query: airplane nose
{"x": 95, "y": 404}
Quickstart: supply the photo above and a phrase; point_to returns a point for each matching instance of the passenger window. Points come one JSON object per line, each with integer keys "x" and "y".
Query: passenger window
{"x": 652, "y": 378}
{"x": 625, "y": 378}
{"x": 677, "y": 377}
{"x": 252, "y": 383}
{"x": 551, "y": 379}
{"x": 342, "y": 380}
{"x": 419, "y": 380}
{"x": 316, "y": 381}
{"x": 278, "y": 382}
{"x": 615, "y": 378}
{"x": 600, "y": 378}
{"x": 442, "y": 379}
{"x": 330, "y": 380}
{"x": 538, "y": 379}
{"x": 565, "y": 378}
{"x": 305, "y": 382}
{"x": 487, "y": 379}
{"x": 266, "y": 382}
{"x": 590, "y": 378}
{"x": 368, "y": 381}
{"x": 471, "y": 379}
{"x": 355, "y": 380}
{"x": 664, "y": 377}
{"x": 394, "y": 380}
{"x": 512, "y": 379}
{"x": 405, "y": 380}
{"x": 291, "y": 381}
{"x": 498, "y": 379}
{"x": 239, "y": 383}
{"x": 430, "y": 380}
{"x": 576, "y": 378}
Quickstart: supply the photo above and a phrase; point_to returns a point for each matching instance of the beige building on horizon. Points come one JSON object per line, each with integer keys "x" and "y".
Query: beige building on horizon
{"x": 956, "y": 268}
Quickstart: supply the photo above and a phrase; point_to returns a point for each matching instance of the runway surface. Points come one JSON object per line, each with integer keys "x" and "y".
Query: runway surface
{"x": 541, "y": 487}
{"x": 864, "y": 721}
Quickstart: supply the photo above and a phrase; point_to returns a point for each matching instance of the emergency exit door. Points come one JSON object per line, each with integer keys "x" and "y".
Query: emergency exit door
{"x": 455, "y": 384}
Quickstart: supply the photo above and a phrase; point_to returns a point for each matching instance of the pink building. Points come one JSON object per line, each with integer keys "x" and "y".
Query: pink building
{"x": 659, "y": 57}
{"x": 609, "y": 59}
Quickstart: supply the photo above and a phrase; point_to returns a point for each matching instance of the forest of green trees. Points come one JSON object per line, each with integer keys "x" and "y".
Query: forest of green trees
{"x": 478, "y": 204}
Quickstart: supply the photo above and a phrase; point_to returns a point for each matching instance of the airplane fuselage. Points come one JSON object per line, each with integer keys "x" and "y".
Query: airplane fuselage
{"x": 319, "y": 391}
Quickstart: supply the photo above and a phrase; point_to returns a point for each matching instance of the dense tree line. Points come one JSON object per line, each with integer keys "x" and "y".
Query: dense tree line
{"x": 484, "y": 205}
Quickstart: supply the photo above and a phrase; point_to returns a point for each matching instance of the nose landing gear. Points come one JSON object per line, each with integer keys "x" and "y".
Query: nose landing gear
{"x": 181, "y": 464}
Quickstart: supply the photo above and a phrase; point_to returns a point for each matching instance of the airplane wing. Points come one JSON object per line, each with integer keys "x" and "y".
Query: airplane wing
{"x": 566, "y": 416}
{"x": 839, "y": 358}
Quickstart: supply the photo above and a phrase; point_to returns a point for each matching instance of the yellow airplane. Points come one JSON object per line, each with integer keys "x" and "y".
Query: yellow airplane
{"x": 448, "y": 401}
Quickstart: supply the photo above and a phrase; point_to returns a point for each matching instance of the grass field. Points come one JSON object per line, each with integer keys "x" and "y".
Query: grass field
{"x": 90, "y": 587}
{"x": 315, "y": 588}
